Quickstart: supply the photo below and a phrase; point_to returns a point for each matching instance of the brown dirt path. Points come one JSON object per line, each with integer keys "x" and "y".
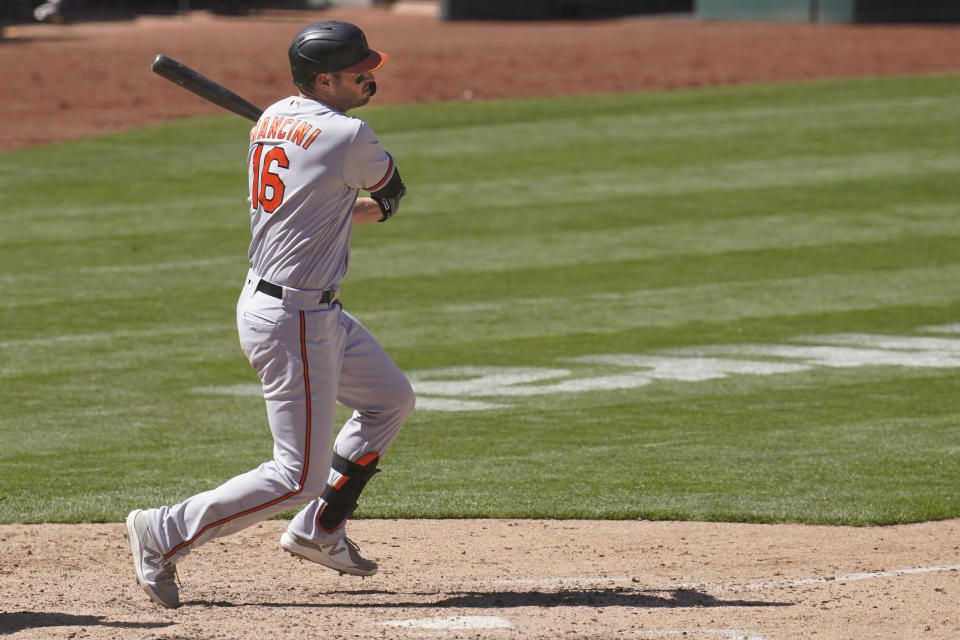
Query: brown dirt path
{"x": 501, "y": 579}
{"x": 67, "y": 81}
{"x": 470, "y": 579}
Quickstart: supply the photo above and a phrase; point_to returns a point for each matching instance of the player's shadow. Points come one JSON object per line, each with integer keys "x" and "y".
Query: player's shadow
{"x": 612, "y": 597}
{"x": 22, "y": 620}
{"x": 609, "y": 597}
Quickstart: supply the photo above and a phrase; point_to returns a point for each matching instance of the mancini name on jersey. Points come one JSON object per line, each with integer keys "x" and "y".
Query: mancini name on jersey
{"x": 299, "y": 132}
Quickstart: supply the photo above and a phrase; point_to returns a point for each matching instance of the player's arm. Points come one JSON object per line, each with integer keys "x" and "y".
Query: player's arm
{"x": 370, "y": 168}
{"x": 366, "y": 210}
{"x": 384, "y": 200}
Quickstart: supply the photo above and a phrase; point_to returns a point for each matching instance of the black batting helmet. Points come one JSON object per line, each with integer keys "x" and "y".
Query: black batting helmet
{"x": 330, "y": 46}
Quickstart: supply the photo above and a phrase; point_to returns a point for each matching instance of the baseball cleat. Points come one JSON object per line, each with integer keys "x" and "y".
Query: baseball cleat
{"x": 154, "y": 573}
{"x": 341, "y": 555}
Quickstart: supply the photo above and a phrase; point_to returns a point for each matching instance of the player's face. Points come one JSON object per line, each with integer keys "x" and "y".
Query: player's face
{"x": 354, "y": 89}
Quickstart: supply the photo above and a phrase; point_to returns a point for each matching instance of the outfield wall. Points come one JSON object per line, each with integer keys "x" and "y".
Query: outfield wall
{"x": 556, "y": 9}
{"x": 830, "y": 10}
{"x": 448, "y": 9}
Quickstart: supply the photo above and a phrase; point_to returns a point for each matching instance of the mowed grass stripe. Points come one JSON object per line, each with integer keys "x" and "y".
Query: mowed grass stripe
{"x": 539, "y": 188}
{"x": 518, "y": 318}
{"x": 596, "y": 280}
{"x": 500, "y": 250}
{"x": 697, "y": 126}
{"x": 52, "y": 218}
{"x": 589, "y": 187}
{"x": 554, "y": 248}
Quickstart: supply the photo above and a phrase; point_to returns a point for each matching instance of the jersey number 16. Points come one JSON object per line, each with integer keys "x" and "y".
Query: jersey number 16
{"x": 267, "y": 188}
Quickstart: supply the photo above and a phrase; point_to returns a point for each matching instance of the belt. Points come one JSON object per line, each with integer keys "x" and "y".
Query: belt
{"x": 276, "y": 291}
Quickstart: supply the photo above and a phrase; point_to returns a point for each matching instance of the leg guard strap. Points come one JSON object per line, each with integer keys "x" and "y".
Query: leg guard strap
{"x": 342, "y": 499}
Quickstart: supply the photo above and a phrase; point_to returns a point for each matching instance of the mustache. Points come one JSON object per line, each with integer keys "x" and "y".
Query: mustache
{"x": 371, "y": 88}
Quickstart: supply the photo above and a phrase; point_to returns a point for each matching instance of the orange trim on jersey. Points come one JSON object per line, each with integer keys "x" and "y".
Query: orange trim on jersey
{"x": 306, "y": 460}
{"x": 384, "y": 179}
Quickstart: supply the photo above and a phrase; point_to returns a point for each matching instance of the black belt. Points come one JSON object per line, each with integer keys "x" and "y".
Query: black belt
{"x": 276, "y": 291}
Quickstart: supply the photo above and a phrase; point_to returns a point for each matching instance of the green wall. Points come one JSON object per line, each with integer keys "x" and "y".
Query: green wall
{"x": 780, "y": 10}
{"x": 830, "y": 10}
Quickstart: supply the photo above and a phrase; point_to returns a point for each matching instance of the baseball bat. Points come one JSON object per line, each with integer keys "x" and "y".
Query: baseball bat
{"x": 181, "y": 74}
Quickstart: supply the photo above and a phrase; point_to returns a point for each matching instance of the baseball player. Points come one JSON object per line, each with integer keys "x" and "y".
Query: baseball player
{"x": 307, "y": 160}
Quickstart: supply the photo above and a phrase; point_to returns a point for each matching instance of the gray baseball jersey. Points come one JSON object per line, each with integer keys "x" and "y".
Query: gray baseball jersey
{"x": 312, "y": 159}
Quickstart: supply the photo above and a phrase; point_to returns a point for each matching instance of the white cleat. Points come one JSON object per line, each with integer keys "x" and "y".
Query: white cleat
{"x": 341, "y": 555}
{"x": 154, "y": 573}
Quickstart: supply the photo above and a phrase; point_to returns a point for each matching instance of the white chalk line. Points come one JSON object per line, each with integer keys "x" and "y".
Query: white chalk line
{"x": 757, "y": 586}
{"x": 723, "y": 634}
{"x": 494, "y": 623}
{"x": 451, "y": 622}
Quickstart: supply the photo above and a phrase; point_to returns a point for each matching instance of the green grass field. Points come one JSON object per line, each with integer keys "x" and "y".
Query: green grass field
{"x": 730, "y": 304}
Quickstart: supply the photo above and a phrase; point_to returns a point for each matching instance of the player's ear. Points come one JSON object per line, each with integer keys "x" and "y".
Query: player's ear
{"x": 323, "y": 80}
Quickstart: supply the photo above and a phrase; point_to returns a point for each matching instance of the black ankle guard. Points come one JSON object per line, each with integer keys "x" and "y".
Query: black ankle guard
{"x": 342, "y": 500}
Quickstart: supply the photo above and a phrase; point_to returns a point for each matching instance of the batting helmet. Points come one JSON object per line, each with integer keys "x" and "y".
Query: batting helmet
{"x": 330, "y": 46}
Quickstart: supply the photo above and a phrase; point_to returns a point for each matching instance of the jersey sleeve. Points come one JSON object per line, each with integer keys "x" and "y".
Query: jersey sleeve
{"x": 368, "y": 166}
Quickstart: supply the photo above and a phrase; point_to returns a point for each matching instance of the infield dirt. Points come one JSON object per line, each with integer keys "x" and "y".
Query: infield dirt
{"x": 468, "y": 578}
{"x": 501, "y": 579}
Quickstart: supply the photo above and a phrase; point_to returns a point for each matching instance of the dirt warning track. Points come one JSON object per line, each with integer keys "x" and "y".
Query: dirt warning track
{"x": 67, "y": 81}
